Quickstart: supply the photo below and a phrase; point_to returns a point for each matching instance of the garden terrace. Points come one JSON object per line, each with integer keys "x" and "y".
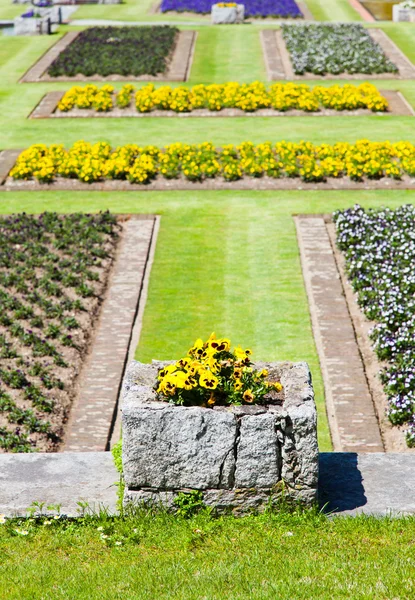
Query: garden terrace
{"x": 253, "y": 8}
{"x": 379, "y": 251}
{"x": 229, "y": 99}
{"x": 117, "y": 54}
{"x": 53, "y": 272}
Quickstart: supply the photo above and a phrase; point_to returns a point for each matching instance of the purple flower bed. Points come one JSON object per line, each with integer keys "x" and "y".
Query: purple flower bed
{"x": 379, "y": 248}
{"x": 253, "y": 8}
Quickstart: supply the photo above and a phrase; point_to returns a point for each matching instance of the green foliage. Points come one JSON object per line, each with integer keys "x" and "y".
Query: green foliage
{"x": 189, "y": 503}
{"x": 124, "y": 51}
{"x": 117, "y": 455}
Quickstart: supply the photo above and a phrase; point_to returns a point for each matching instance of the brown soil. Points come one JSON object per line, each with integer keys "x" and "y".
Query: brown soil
{"x": 47, "y": 108}
{"x": 218, "y": 183}
{"x": 74, "y": 357}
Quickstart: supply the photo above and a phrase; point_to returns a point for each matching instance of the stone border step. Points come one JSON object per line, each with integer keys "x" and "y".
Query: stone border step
{"x": 350, "y": 409}
{"x": 94, "y": 410}
{"x": 65, "y": 478}
{"x": 373, "y": 484}
{"x": 178, "y": 69}
{"x": 349, "y": 483}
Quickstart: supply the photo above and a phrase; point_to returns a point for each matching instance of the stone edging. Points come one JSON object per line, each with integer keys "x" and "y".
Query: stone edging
{"x": 362, "y": 11}
{"x": 278, "y": 62}
{"x": 178, "y": 68}
{"x": 136, "y": 331}
{"x": 47, "y": 108}
{"x": 94, "y": 409}
{"x": 350, "y": 409}
{"x": 7, "y": 184}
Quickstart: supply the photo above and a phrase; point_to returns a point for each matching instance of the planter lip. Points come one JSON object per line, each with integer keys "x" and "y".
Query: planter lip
{"x": 139, "y": 379}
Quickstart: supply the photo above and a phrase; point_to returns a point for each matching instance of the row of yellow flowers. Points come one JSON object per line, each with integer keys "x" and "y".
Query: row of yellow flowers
{"x": 248, "y": 97}
{"x": 211, "y": 374}
{"x": 196, "y": 162}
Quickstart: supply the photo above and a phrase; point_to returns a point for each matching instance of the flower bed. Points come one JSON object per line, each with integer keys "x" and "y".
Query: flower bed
{"x": 105, "y": 51}
{"x": 52, "y": 270}
{"x": 335, "y": 49}
{"x": 247, "y": 97}
{"x": 253, "y": 8}
{"x": 141, "y": 164}
{"x": 211, "y": 375}
{"x": 379, "y": 249}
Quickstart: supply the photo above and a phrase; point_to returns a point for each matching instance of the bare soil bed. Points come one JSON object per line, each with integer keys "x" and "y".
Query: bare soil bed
{"x": 47, "y": 108}
{"x": 219, "y": 183}
{"x": 54, "y": 272}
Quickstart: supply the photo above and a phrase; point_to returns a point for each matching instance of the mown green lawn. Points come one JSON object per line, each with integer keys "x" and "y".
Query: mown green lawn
{"x": 226, "y": 261}
{"x": 284, "y": 557}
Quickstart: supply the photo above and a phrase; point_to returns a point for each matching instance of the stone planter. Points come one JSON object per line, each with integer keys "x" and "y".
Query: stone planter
{"x": 399, "y": 13}
{"x": 32, "y": 26}
{"x": 227, "y": 14}
{"x": 240, "y": 457}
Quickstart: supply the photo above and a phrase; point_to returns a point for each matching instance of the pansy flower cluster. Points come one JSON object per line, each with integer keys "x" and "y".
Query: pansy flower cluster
{"x": 334, "y": 48}
{"x": 248, "y": 97}
{"x": 52, "y": 270}
{"x": 379, "y": 248}
{"x": 198, "y": 162}
{"x": 253, "y": 8}
{"x": 211, "y": 374}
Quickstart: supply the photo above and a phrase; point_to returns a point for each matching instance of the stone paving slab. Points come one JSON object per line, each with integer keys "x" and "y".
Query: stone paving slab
{"x": 93, "y": 412}
{"x": 350, "y": 483}
{"x": 64, "y": 478}
{"x": 350, "y": 409}
{"x": 373, "y": 484}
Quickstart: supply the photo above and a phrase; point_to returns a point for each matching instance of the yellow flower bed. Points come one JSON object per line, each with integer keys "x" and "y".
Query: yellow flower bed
{"x": 197, "y": 162}
{"x": 248, "y": 97}
{"x": 211, "y": 374}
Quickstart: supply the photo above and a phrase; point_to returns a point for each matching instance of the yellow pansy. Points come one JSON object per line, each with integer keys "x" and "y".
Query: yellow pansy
{"x": 248, "y": 396}
{"x": 208, "y": 380}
